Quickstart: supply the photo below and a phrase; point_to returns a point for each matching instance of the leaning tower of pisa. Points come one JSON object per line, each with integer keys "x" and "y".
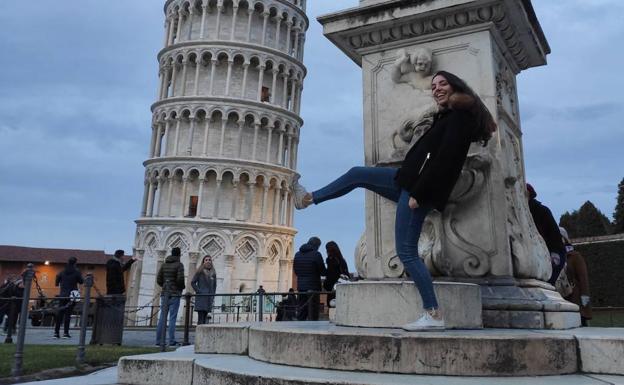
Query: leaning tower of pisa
{"x": 225, "y": 132}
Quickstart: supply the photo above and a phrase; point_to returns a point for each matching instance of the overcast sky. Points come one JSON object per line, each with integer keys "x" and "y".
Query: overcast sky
{"x": 77, "y": 79}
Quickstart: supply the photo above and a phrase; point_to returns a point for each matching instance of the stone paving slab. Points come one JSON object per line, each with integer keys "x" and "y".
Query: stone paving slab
{"x": 102, "y": 377}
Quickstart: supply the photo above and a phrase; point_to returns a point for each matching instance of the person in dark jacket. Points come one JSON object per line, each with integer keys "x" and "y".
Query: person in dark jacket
{"x": 336, "y": 267}
{"x": 170, "y": 277}
{"x": 309, "y": 267}
{"x": 576, "y": 270}
{"x": 423, "y": 182}
{"x": 68, "y": 280}
{"x": 204, "y": 282}
{"x": 549, "y": 230}
{"x": 115, "y": 269}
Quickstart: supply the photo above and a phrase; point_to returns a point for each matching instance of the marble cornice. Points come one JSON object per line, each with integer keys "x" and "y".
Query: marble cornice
{"x": 286, "y": 3}
{"x": 232, "y": 45}
{"x": 229, "y": 102}
{"x": 217, "y": 223}
{"x": 196, "y": 161}
{"x": 357, "y": 29}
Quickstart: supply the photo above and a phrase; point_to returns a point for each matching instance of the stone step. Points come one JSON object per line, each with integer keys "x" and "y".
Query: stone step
{"x": 212, "y": 369}
{"x": 392, "y": 304}
{"x": 490, "y": 352}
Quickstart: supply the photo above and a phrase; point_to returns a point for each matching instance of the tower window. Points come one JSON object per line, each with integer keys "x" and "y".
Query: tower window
{"x": 266, "y": 94}
{"x": 192, "y": 211}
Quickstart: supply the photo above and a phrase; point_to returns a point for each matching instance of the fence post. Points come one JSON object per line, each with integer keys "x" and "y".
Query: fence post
{"x": 21, "y": 335}
{"x": 84, "y": 318}
{"x": 187, "y": 318}
{"x": 261, "y": 293}
{"x": 11, "y": 320}
{"x": 310, "y": 307}
{"x": 164, "y": 313}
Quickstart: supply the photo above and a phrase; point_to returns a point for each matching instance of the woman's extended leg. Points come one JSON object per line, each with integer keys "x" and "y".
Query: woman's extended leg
{"x": 408, "y": 226}
{"x": 379, "y": 180}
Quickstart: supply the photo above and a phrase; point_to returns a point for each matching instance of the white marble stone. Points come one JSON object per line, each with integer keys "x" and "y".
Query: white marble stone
{"x": 391, "y": 304}
{"x": 222, "y": 338}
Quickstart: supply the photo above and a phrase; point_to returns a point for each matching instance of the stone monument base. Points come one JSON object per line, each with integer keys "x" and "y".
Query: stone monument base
{"x": 307, "y": 353}
{"x": 391, "y": 304}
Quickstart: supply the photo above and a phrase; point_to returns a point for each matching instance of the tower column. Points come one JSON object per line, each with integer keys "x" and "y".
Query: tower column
{"x": 268, "y": 149}
{"x": 197, "y": 68}
{"x": 179, "y": 29}
{"x": 149, "y": 211}
{"x": 147, "y": 190}
{"x": 235, "y": 183}
{"x": 265, "y": 195}
{"x": 285, "y": 91}
{"x": 177, "y": 136}
{"x": 255, "y": 140}
{"x": 278, "y": 22}
{"x": 261, "y": 68}
{"x": 250, "y": 12}
{"x": 280, "y": 150}
{"x": 185, "y": 180}
{"x": 234, "y": 15}
{"x": 189, "y": 149}
{"x": 245, "y": 74}
{"x": 184, "y": 72}
{"x": 213, "y": 67}
{"x": 215, "y": 213}
{"x": 218, "y": 24}
{"x": 170, "y": 180}
{"x": 289, "y": 25}
{"x": 206, "y": 131}
{"x": 203, "y": 19}
{"x": 265, "y": 15}
{"x": 241, "y": 124}
{"x": 190, "y": 23}
{"x": 224, "y": 121}
{"x": 273, "y": 98}
{"x": 200, "y": 196}
{"x": 174, "y": 75}
{"x": 276, "y": 205}
{"x": 228, "y": 79}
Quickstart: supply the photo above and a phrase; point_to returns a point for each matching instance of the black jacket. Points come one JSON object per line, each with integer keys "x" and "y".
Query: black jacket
{"x": 309, "y": 268}
{"x": 173, "y": 271}
{"x": 433, "y": 164}
{"x": 114, "y": 275}
{"x": 546, "y": 226}
{"x": 335, "y": 268}
{"x": 68, "y": 280}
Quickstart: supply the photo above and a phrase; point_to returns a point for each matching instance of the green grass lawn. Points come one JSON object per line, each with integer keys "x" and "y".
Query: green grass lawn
{"x": 42, "y": 357}
{"x": 608, "y": 318}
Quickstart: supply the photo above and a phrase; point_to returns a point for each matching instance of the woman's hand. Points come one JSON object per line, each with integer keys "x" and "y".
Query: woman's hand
{"x": 413, "y": 203}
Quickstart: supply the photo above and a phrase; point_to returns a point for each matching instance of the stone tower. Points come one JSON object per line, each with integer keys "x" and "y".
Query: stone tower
{"x": 225, "y": 132}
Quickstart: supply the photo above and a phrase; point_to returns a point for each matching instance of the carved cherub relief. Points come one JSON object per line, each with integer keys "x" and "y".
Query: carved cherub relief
{"x": 413, "y": 69}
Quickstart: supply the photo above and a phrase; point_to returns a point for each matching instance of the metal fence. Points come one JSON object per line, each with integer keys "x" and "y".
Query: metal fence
{"x": 107, "y": 315}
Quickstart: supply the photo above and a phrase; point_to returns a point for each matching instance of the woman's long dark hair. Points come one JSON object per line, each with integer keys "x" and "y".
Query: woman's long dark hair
{"x": 333, "y": 251}
{"x": 485, "y": 122}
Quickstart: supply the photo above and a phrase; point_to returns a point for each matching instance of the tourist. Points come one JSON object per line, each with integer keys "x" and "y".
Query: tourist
{"x": 549, "y": 230}
{"x": 68, "y": 280}
{"x": 423, "y": 182}
{"x": 577, "y": 275}
{"x": 204, "y": 283}
{"x": 309, "y": 267}
{"x": 114, "y": 273}
{"x": 171, "y": 278}
{"x": 336, "y": 267}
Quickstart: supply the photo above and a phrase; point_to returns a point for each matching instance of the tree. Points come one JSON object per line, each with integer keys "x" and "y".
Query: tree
{"x": 618, "y": 214}
{"x": 587, "y": 221}
{"x": 569, "y": 222}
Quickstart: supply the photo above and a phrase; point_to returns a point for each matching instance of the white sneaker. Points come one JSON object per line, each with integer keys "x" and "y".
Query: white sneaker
{"x": 300, "y": 193}
{"x": 426, "y": 322}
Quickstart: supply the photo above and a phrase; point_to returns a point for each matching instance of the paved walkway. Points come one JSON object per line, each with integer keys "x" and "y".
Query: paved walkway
{"x": 131, "y": 337}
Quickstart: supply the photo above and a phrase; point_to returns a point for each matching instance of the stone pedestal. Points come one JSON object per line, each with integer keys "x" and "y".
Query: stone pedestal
{"x": 486, "y": 233}
{"x": 391, "y": 304}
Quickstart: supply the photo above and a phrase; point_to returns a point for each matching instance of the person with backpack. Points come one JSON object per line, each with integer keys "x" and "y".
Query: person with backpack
{"x": 68, "y": 281}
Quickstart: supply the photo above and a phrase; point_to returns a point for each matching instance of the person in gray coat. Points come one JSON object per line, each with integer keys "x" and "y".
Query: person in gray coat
{"x": 204, "y": 282}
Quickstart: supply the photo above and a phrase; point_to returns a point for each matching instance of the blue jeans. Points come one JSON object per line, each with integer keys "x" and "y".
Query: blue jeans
{"x": 408, "y": 224}
{"x": 174, "y": 305}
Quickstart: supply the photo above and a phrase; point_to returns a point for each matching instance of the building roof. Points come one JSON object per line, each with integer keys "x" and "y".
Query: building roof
{"x": 40, "y": 255}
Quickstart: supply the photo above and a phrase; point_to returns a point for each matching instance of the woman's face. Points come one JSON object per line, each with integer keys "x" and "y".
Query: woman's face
{"x": 441, "y": 90}
{"x": 207, "y": 262}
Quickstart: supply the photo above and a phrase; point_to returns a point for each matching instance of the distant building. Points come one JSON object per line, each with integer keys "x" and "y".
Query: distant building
{"x": 49, "y": 262}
